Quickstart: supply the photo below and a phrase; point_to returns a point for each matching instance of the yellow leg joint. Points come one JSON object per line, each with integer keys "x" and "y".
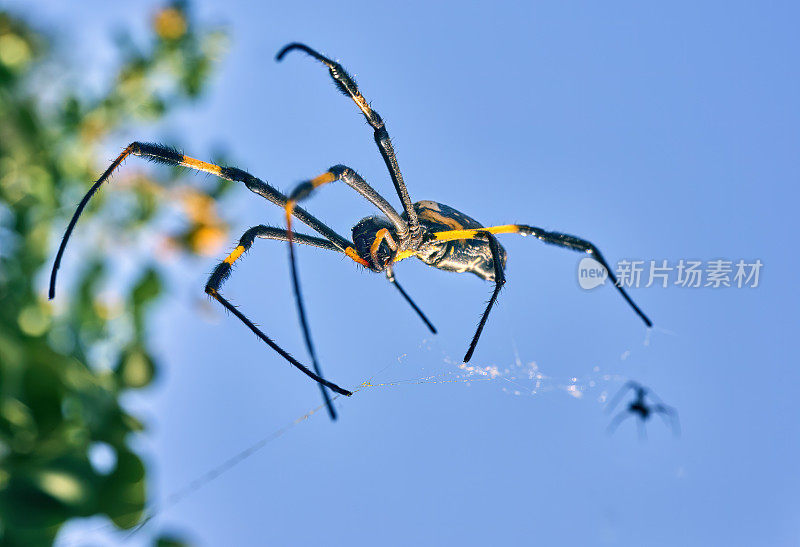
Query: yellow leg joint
{"x": 353, "y": 254}
{"x": 201, "y": 165}
{"x": 361, "y": 102}
{"x": 289, "y": 210}
{"x": 324, "y": 178}
{"x": 234, "y": 256}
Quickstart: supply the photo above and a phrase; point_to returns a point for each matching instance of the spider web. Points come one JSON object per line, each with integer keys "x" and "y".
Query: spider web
{"x": 518, "y": 378}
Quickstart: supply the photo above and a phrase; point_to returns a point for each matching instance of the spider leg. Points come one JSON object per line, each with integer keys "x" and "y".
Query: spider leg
{"x": 303, "y": 191}
{"x": 353, "y": 180}
{"x": 382, "y": 236}
{"x": 655, "y": 398}
{"x": 670, "y": 417}
{"x": 348, "y": 86}
{"x": 163, "y": 154}
{"x": 223, "y": 271}
{"x": 640, "y": 426}
{"x": 499, "y": 281}
{"x": 552, "y": 238}
{"x": 393, "y": 280}
{"x": 617, "y": 420}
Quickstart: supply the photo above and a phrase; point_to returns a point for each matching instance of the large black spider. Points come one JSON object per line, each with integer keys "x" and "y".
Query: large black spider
{"x": 640, "y": 408}
{"x": 437, "y": 234}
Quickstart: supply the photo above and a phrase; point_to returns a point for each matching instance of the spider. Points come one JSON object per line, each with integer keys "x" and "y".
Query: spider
{"x": 436, "y": 234}
{"x": 641, "y": 409}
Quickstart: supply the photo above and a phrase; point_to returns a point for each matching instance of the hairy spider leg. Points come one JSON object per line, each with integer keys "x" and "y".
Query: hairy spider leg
{"x": 164, "y": 154}
{"x": 350, "y": 177}
{"x": 348, "y": 86}
{"x": 223, "y": 271}
{"x": 552, "y": 238}
{"x": 354, "y": 181}
{"x": 303, "y": 191}
{"x": 170, "y": 156}
{"x": 393, "y": 280}
{"x": 499, "y": 281}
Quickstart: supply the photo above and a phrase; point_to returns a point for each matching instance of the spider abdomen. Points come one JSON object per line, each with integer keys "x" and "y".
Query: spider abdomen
{"x": 461, "y": 255}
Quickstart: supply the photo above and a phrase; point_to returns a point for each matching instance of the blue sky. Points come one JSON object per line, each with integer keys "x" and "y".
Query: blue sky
{"x": 657, "y": 131}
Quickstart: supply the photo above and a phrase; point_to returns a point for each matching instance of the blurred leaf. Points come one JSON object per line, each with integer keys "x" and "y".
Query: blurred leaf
{"x": 171, "y": 541}
{"x": 135, "y": 369}
{"x": 147, "y": 289}
{"x": 123, "y": 493}
{"x": 54, "y": 406}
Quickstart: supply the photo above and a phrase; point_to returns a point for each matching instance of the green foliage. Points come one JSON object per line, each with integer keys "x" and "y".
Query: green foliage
{"x": 57, "y": 399}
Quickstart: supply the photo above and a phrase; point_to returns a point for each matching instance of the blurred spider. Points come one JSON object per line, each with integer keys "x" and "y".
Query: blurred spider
{"x": 641, "y": 409}
{"x": 436, "y": 234}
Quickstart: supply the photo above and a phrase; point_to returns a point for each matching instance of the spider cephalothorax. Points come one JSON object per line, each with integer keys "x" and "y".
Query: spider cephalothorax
{"x": 375, "y": 241}
{"x": 436, "y": 234}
